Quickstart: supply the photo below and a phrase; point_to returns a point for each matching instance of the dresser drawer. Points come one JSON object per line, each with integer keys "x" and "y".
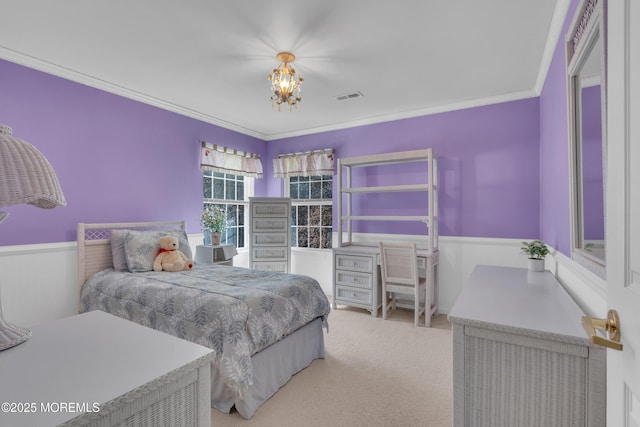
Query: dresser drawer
{"x": 271, "y": 210}
{"x": 348, "y": 294}
{"x": 355, "y": 263}
{"x": 270, "y": 253}
{"x": 266, "y": 225}
{"x": 269, "y": 239}
{"x": 354, "y": 279}
{"x": 276, "y": 267}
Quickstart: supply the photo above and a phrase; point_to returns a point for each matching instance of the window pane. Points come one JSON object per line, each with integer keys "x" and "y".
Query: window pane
{"x": 326, "y": 215}
{"x": 293, "y": 190}
{"x": 218, "y": 174}
{"x": 316, "y": 190}
{"x": 218, "y": 188}
{"x": 232, "y": 215}
{"x": 294, "y": 215}
{"x": 302, "y": 215}
{"x": 294, "y": 237}
{"x": 303, "y": 237}
{"x": 240, "y": 237}
{"x": 314, "y": 237}
{"x": 303, "y": 190}
{"x": 326, "y": 238}
{"x": 206, "y": 186}
{"x": 327, "y": 190}
{"x": 314, "y": 215}
{"x": 231, "y": 190}
{"x": 240, "y": 215}
{"x": 231, "y": 236}
{"x": 240, "y": 190}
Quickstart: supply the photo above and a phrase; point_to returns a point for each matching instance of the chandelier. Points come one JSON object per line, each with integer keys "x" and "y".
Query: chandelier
{"x": 285, "y": 83}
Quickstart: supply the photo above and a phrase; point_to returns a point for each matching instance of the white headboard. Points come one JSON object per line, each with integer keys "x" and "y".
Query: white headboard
{"x": 94, "y": 244}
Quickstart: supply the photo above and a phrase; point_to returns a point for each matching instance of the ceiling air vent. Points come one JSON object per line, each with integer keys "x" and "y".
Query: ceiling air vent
{"x": 352, "y": 95}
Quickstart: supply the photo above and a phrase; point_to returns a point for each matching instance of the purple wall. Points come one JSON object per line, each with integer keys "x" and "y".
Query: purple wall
{"x": 116, "y": 159}
{"x": 555, "y": 208}
{"x": 503, "y": 168}
{"x": 488, "y": 168}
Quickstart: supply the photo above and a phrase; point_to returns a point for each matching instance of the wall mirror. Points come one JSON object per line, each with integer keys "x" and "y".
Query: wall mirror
{"x": 587, "y": 129}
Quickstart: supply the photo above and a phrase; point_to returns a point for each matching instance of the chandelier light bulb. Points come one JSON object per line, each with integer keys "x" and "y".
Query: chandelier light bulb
{"x": 285, "y": 82}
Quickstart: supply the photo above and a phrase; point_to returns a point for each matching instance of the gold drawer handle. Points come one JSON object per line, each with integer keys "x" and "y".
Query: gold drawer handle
{"x": 611, "y": 325}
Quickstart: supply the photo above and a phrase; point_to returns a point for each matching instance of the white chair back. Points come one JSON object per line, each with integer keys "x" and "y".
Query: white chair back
{"x": 398, "y": 263}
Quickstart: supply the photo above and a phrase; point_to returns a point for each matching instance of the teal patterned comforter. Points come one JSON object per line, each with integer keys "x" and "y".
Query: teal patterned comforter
{"x": 235, "y": 311}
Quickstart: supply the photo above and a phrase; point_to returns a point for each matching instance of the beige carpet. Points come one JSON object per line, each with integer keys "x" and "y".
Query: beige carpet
{"x": 376, "y": 373}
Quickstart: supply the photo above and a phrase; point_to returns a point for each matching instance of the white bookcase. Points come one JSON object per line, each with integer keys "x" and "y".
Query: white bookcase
{"x": 356, "y": 278}
{"x": 428, "y": 187}
{"x": 270, "y": 234}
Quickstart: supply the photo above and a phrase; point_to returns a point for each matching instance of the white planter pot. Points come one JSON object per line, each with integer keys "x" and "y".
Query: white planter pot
{"x": 536, "y": 264}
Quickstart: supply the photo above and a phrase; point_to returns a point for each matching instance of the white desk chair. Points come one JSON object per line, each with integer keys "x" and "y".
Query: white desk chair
{"x": 399, "y": 268}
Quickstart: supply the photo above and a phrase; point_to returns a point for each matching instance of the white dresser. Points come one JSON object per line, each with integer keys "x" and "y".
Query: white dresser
{"x": 270, "y": 231}
{"x": 100, "y": 370}
{"x": 521, "y": 356}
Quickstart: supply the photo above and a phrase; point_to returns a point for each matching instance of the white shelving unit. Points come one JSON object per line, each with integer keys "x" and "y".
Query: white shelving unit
{"x": 430, "y": 187}
{"x": 356, "y": 278}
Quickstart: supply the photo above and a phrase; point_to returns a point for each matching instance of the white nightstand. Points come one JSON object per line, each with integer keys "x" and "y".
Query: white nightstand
{"x": 98, "y": 369}
{"x": 219, "y": 254}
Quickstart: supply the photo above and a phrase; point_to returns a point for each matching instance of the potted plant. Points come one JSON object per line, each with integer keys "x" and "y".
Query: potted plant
{"x": 214, "y": 222}
{"x": 536, "y": 250}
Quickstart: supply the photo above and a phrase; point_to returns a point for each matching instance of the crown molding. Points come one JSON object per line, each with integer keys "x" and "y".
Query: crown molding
{"x": 85, "y": 79}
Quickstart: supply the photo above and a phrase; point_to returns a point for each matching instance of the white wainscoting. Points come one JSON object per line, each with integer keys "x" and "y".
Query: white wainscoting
{"x": 38, "y": 282}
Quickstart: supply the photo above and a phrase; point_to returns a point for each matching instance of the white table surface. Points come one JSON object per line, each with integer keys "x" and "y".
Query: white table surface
{"x": 91, "y": 357}
{"x": 518, "y": 301}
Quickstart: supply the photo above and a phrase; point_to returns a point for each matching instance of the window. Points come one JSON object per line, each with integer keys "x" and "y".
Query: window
{"x": 231, "y": 193}
{"x": 311, "y": 211}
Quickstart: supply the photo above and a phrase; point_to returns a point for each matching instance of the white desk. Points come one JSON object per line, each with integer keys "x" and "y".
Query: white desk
{"x": 521, "y": 356}
{"x": 356, "y": 277}
{"x": 98, "y": 369}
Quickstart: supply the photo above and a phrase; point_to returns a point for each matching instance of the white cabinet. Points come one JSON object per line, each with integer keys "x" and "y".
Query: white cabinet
{"x": 521, "y": 356}
{"x": 218, "y": 254}
{"x": 270, "y": 231}
{"x": 96, "y": 369}
{"x": 356, "y": 278}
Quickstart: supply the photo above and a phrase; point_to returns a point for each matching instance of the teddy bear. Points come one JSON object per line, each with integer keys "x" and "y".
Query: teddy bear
{"x": 169, "y": 258}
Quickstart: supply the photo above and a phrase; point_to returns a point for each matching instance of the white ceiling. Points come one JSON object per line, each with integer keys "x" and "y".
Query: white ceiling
{"x": 209, "y": 59}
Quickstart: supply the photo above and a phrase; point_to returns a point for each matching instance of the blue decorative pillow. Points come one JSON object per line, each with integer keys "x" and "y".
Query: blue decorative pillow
{"x": 141, "y": 248}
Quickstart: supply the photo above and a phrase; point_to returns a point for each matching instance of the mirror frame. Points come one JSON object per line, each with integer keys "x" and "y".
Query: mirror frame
{"x": 587, "y": 27}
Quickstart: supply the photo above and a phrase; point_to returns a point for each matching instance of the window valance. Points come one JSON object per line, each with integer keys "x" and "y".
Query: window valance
{"x": 229, "y": 160}
{"x": 310, "y": 163}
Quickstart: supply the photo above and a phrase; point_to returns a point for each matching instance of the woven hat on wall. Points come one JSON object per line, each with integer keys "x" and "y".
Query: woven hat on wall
{"x": 25, "y": 177}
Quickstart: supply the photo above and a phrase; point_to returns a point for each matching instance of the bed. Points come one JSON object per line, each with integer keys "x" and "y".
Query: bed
{"x": 263, "y": 326}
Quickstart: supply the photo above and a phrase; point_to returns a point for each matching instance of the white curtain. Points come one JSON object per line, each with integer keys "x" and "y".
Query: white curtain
{"x": 228, "y": 160}
{"x": 311, "y": 163}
